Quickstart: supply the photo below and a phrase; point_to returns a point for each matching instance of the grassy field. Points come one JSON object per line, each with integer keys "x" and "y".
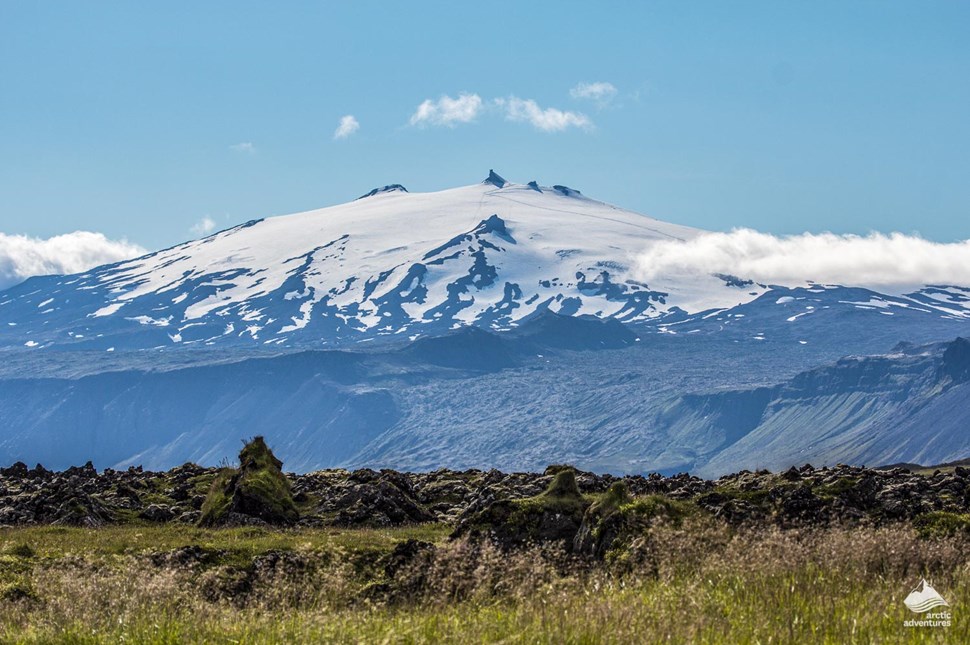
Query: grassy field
{"x": 700, "y": 582}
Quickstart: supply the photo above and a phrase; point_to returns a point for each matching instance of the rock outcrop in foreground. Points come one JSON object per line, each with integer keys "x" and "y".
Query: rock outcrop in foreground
{"x": 257, "y": 491}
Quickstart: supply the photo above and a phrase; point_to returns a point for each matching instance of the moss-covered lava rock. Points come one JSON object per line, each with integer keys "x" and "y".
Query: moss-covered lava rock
{"x": 600, "y": 522}
{"x": 616, "y": 518}
{"x": 555, "y": 515}
{"x": 257, "y": 490}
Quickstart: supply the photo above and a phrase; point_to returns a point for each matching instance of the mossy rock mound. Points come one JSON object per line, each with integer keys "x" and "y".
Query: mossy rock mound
{"x": 257, "y": 491}
{"x": 599, "y": 528}
{"x": 553, "y": 516}
{"x": 616, "y": 519}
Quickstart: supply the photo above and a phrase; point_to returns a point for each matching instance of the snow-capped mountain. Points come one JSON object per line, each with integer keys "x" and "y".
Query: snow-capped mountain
{"x": 395, "y": 264}
{"x": 391, "y": 262}
{"x": 497, "y": 324}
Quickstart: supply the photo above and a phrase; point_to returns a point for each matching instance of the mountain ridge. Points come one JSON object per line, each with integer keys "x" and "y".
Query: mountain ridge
{"x": 398, "y": 263}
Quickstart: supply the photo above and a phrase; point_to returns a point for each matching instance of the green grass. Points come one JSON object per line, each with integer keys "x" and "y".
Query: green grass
{"x": 726, "y": 610}
{"x": 700, "y": 582}
{"x": 650, "y": 507}
{"x": 943, "y": 468}
{"x": 52, "y": 542}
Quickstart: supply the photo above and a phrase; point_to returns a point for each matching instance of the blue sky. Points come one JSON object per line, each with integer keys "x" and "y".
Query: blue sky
{"x": 139, "y": 121}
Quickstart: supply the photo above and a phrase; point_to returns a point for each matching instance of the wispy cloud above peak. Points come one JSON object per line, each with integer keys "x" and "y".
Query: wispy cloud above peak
{"x": 448, "y": 111}
{"x": 244, "y": 147}
{"x": 545, "y": 119}
{"x": 600, "y": 91}
{"x": 347, "y": 126}
{"x": 204, "y": 226}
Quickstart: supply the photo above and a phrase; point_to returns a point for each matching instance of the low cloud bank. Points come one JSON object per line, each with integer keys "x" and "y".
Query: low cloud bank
{"x": 22, "y": 257}
{"x": 874, "y": 260}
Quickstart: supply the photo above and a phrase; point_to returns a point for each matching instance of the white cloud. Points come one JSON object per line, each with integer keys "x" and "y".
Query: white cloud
{"x": 22, "y": 257}
{"x": 600, "y": 91}
{"x": 245, "y": 147}
{"x": 547, "y": 120}
{"x": 348, "y": 125}
{"x": 204, "y": 226}
{"x": 874, "y": 260}
{"x": 448, "y": 111}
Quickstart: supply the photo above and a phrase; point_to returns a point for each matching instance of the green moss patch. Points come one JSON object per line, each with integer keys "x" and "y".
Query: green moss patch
{"x": 942, "y": 524}
{"x": 838, "y": 488}
{"x": 653, "y": 507}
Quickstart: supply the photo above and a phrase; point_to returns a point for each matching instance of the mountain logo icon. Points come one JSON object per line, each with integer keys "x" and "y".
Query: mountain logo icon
{"x": 923, "y": 598}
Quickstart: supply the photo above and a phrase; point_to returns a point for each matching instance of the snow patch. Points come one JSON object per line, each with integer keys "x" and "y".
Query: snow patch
{"x": 154, "y": 322}
{"x": 107, "y": 310}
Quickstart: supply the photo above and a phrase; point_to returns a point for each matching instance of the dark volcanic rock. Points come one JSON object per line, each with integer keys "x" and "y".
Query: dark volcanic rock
{"x": 81, "y": 510}
{"x": 405, "y": 555}
{"x": 511, "y": 506}
{"x": 378, "y": 499}
{"x": 157, "y": 513}
{"x": 16, "y": 471}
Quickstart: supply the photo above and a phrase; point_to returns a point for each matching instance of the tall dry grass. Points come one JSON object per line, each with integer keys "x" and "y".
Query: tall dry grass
{"x": 700, "y": 583}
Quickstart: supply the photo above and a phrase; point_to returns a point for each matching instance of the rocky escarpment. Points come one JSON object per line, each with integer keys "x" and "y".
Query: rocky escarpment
{"x": 800, "y": 496}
